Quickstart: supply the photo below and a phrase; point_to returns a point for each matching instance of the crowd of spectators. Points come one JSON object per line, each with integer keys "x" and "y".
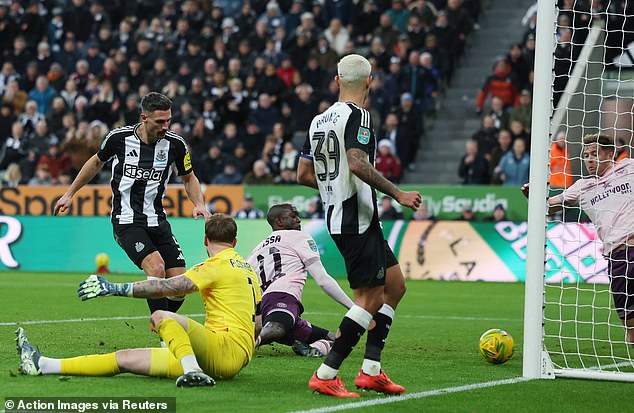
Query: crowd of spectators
{"x": 498, "y": 153}
{"x": 245, "y": 77}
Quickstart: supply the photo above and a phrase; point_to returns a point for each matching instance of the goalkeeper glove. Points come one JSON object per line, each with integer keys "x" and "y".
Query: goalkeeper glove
{"x": 97, "y": 286}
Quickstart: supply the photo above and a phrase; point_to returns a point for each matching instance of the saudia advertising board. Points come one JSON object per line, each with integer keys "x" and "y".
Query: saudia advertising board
{"x": 443, "y": 202}
{"x": 442, "y": 250}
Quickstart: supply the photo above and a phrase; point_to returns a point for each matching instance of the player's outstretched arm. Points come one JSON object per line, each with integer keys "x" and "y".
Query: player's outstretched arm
{"x": 97, "y": 286}
{"x": 86, "y": 174}
{"x": 306, "y": 172}
{"x": 195, "y": 194}
{"x": 555, "y": 203}
{"x": 359, "y": 165}
{"x": 328, "y": 284}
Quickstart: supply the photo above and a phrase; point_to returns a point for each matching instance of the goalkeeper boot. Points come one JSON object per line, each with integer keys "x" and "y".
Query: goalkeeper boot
{"x": 29, "y": 355}
{"x": 379, "y": 383}
{"x": 333, "y": 387}
{"x": 194, "y": 379}
{"x": 304, "y": 350}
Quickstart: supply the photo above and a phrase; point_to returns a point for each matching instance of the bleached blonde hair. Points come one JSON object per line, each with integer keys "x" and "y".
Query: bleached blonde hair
{"x": 353, "y": 69}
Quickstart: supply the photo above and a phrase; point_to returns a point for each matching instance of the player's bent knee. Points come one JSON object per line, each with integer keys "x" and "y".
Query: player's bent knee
{"x": 157, "y": 317}
{"x": 272, "y": 331}
{"x": 153, "y": 265}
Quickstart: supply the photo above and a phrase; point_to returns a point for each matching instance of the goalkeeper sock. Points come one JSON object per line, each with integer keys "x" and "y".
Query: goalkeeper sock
{"x": 156, "y": 304}
{"x": 174, "y": 303}
{"x": 92, "y": 365}
{"x": 376, "y": 340}
{"x": 351, "y": 329}
{"x": 179, "y": 344}
{"x": 50, "y": 365}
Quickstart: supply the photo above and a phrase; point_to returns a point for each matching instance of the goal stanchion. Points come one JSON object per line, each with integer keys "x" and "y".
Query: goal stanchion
{"x": 586, "y": 57}
{"x": 533, "y": 364}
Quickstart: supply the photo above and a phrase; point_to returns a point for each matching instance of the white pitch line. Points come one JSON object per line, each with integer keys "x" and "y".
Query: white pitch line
{"x": 419, "y": 395}
{"x": 431, "y": 317}
{"x": 79, "y": 320}
{"x": 613, "y": 365}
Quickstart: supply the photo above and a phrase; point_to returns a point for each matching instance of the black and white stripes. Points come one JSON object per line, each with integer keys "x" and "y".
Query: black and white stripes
{"x": 140, "y": 173}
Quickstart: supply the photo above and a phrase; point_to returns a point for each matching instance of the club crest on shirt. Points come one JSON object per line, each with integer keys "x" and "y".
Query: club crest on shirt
{"x": 161, "y": 156}
{"x": 139, "y": 246}
{"x": 312, "y": 245}
{"x": 363, "y": 135}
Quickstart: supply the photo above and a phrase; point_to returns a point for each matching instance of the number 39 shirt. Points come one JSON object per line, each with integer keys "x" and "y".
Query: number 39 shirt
{"x": 350, "y": 203}
{"x": 280, "y": 261}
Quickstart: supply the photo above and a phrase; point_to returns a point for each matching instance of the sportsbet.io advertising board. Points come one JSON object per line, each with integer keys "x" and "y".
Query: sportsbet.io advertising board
{"x": 437, "y": 250}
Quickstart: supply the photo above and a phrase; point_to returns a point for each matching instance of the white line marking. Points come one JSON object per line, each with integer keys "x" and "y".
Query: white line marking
{"x": 79, "y": 320}
{"x": 419, "y": 395}
{"x": 430, "y": 317}
{"x": 611, "y": 366}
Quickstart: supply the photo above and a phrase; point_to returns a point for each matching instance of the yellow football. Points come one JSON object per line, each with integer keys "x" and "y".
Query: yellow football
{"x": 496, "y": 346}
{"x": 102, "y": 259}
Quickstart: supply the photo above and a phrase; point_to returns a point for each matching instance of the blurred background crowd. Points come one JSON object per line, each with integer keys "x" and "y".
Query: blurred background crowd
{"x": 246, "y": 78}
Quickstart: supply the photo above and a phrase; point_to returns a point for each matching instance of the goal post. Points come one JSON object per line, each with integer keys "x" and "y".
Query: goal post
{"x": 571, "y": 328}
{"x": 538, "y": 179}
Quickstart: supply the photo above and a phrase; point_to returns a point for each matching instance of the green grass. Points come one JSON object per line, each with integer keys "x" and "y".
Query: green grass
{"x": 432, "y": 345}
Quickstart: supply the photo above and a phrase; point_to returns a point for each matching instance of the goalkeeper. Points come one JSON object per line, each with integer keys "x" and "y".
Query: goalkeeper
{"x": 606, "y": 197}
{"x": 196, "y": 354}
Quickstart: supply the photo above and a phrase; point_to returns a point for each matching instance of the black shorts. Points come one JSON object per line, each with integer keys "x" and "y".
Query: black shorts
{"x": 621, "y": 269}
{"x": 367, "y": 256}
{"x": 140, "y": 241}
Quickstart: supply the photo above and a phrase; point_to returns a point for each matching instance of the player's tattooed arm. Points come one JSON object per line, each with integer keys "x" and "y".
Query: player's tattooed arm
{"x": 174, "y": 286}
{"x": 97, "y": 286}
{"x": 361, "y": 167}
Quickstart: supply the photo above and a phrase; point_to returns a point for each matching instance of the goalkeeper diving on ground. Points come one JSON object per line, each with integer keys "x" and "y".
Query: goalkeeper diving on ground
{"x": 196, "y": 354}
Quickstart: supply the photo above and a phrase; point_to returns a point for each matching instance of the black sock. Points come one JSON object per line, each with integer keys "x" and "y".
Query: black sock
{"x": 317, "y": 333}
{"x": 351, "y": 333}
{"x": 377, "y": 336}
{"x": 156, "y": 304}
{"x": 174, "y": 305}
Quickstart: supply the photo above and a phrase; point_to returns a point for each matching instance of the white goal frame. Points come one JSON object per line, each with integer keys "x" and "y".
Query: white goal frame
{"x": 536, "y": 360}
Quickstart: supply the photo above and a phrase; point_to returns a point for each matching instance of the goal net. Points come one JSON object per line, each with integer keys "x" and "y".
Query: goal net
{"x": 585, "y": 52}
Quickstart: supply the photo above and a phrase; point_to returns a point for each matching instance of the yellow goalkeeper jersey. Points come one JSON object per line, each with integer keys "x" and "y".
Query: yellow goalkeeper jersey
{"x": 230, "y": 291}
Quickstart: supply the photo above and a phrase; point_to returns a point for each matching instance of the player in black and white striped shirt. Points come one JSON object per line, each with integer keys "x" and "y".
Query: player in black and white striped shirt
{"x": 338, "y": 159}
{"x": 142, "y": 156}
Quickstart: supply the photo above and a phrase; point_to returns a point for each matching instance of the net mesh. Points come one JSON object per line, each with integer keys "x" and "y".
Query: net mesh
{"x": 592, "y": 92}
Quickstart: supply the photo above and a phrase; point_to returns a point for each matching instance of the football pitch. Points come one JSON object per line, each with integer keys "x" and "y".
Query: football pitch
{"x": 432, "y": 350}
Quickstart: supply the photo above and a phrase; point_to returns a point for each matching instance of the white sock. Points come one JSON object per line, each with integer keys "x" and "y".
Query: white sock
{"x": 190, "y": 363}
{"x": 50, "y": 365}
{"x": 323, "y": 346}
{"x": 371, "y": 367}
{"x": 163, "y": 344}
{"x": 326, "y": 373}
{"x": 387, "y": 310}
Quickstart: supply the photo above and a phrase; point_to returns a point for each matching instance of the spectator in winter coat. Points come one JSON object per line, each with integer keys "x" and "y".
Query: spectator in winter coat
{"x": 501, "y": 84}
{"x": 474, "y": 168}
{"x": 513, "y": 167}
{"x": 387, "y": 163}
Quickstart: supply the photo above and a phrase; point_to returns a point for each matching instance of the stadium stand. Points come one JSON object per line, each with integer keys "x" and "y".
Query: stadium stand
{"x": 245, "y": 76}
